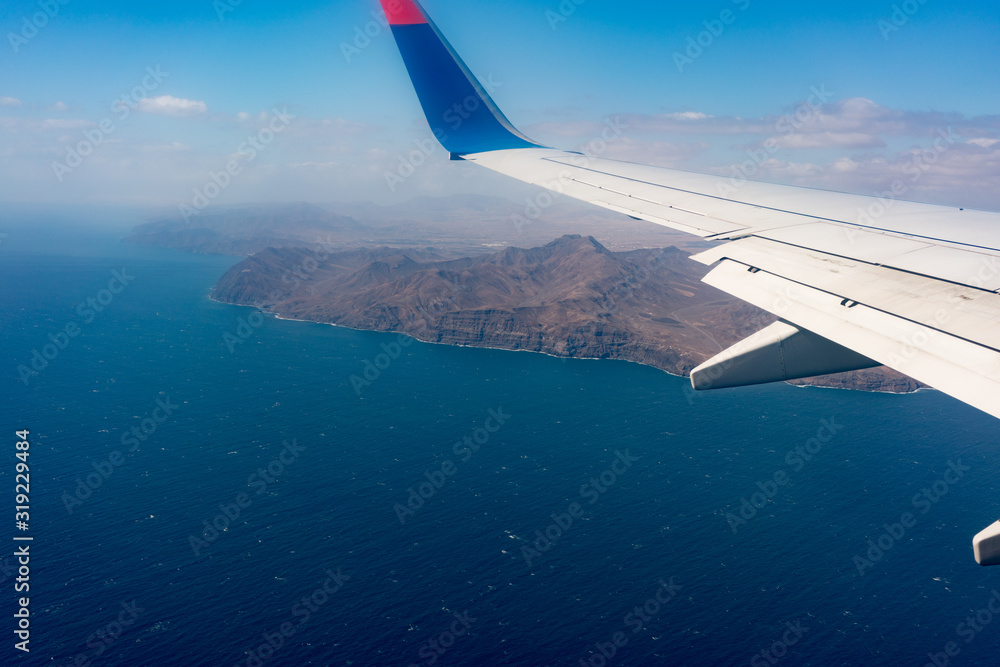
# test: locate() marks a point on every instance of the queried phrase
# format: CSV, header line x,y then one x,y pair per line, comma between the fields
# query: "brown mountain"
x,y
572,297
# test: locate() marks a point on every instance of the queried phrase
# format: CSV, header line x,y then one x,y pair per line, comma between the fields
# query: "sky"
x,y
146,105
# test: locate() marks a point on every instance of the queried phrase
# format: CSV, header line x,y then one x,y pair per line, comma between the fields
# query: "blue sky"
x,y
894,75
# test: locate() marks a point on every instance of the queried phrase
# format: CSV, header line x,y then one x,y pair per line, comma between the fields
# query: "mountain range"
x,y
572,297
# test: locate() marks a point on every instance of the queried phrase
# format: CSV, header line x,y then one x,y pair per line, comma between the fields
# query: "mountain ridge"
x,y
571,298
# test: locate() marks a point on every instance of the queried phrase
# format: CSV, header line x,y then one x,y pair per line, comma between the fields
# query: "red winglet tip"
x,y
403,12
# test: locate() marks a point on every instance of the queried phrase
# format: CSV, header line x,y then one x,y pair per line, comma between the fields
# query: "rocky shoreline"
x,y
570,298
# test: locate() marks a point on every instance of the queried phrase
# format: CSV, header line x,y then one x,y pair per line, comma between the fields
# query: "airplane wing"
x,y
856,281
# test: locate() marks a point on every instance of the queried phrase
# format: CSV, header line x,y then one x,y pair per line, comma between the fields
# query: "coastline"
x,y
547,354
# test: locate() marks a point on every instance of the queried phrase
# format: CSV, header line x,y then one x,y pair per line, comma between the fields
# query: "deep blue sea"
x,y
635,481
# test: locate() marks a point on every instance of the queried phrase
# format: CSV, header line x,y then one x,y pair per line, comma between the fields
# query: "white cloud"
x,y
854,122
963,174
59,106
830,140
168,105
688,115
34,126
64,124
314,165
172,147
852,145
844,164
10,102
657,153
576,128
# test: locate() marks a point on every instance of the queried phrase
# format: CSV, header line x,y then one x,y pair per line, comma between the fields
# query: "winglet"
x,y
462,115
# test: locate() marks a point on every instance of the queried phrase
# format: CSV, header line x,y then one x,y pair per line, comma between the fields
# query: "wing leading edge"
x,y
856,282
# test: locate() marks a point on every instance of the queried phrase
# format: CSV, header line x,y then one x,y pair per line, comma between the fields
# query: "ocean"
x,y
214,487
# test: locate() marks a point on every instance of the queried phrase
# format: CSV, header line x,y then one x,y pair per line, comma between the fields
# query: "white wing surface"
x,y
856,281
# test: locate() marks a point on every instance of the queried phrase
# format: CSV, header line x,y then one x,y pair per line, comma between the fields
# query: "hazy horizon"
x,y
109,103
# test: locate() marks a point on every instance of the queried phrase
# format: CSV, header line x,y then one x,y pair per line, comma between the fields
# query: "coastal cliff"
x,y
572,298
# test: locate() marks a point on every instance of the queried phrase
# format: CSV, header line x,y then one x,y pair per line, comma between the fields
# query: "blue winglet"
x,y
462,115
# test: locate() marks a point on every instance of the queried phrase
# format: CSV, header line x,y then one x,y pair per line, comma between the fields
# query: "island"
x,y
572,297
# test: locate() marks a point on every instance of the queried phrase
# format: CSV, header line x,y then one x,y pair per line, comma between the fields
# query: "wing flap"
x,y
974,267
966,370
962,311
844,241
